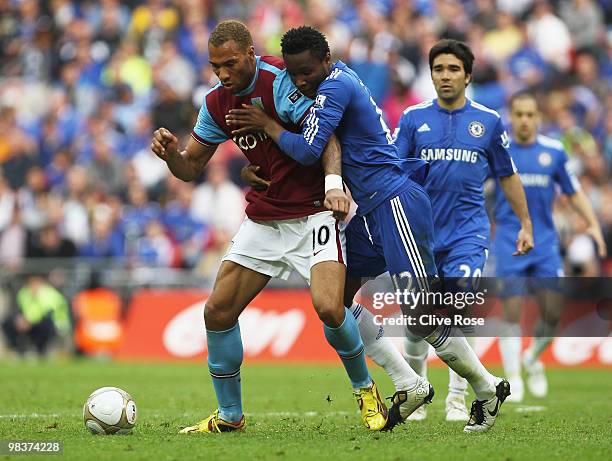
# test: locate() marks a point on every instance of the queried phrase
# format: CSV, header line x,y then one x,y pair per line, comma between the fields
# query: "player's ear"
x,y
468,79
251,51
327,59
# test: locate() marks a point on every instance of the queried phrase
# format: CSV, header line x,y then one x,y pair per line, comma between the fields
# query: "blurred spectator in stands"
x,y
400,95
76,222
13,238
154,248
584,19
174,70
48,243
170,111
106,240
42,314
153,22
106,169
8,199
550,36
128,66
17,149
187,231
136,214
503,40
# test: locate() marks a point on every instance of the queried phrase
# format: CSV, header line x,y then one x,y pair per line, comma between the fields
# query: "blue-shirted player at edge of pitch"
x,y
464,142
542,163
393,229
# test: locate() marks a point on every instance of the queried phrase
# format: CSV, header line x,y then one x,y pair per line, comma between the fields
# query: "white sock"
x,y
510,344
456,384
416,354
543,337
382,351
454,350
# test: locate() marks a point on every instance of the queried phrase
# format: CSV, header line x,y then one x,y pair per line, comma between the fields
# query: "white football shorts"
x,y
275,248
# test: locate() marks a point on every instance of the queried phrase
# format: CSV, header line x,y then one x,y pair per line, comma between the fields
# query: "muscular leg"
x,y
235,287
377,346
340,327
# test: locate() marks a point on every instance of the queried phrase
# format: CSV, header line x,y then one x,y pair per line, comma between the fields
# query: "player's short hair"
x,y
231,29
522,95
305,38
459,49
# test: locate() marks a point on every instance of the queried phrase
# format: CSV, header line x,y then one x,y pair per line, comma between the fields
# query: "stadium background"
x,y
87,206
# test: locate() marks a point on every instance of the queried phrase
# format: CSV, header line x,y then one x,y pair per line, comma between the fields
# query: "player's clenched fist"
x,y
164,143
338,202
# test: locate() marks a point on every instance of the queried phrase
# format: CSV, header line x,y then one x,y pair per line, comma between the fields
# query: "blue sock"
x,y
224,359
349,346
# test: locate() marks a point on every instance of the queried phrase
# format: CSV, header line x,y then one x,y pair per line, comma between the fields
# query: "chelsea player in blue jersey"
x,y
542,163
463,141
393,229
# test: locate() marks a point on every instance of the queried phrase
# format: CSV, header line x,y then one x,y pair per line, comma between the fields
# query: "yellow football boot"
x,y
215,424
373,409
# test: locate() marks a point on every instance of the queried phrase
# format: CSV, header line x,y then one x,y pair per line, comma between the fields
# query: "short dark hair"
x,y
525,94
460,49
305,38
231,29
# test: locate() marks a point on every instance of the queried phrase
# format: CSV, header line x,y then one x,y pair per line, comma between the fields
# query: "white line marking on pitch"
x,y
529,408
31,415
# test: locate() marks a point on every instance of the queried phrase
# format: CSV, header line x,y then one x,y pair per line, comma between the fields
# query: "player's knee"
x,y
218,317
330,313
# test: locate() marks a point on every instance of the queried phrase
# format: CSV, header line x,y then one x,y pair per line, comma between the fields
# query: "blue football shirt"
x,y
371,166
543,168
462,146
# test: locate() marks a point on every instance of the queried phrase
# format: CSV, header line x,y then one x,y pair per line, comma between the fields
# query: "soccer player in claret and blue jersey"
x,y
542,164
393,229
463,141
276,235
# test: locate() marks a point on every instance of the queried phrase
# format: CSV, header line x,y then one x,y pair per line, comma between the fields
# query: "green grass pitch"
x,y
293,412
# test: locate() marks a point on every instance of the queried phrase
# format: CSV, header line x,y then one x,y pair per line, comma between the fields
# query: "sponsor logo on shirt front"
x,y
534,180
458,155
476,129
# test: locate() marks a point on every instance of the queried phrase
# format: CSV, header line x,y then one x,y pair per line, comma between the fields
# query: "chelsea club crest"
x,y
544,159
476,129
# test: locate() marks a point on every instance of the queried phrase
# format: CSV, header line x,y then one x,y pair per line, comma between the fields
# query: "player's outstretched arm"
x,y
251,119
581,204
336,199
186,165
515,194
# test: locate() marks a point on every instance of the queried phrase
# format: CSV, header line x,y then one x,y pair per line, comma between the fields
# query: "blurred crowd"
x,y
83,84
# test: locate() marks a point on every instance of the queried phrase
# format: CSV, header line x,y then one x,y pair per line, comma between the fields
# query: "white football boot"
x,y
456,409
484,412
407,402
536,379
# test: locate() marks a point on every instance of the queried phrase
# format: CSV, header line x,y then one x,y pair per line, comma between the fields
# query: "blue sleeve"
x,y
500,161
403,137
291,105
207,129
332,100
564,177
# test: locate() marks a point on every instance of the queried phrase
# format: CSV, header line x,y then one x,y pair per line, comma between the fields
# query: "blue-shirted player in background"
x,y
393,229
463,141
542,163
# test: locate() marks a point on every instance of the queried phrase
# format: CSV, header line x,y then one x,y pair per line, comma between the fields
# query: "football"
x,y
109,410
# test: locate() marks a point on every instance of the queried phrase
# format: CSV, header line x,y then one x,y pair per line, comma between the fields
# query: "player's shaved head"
x,y
304,38
522,95
231,29
459,49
